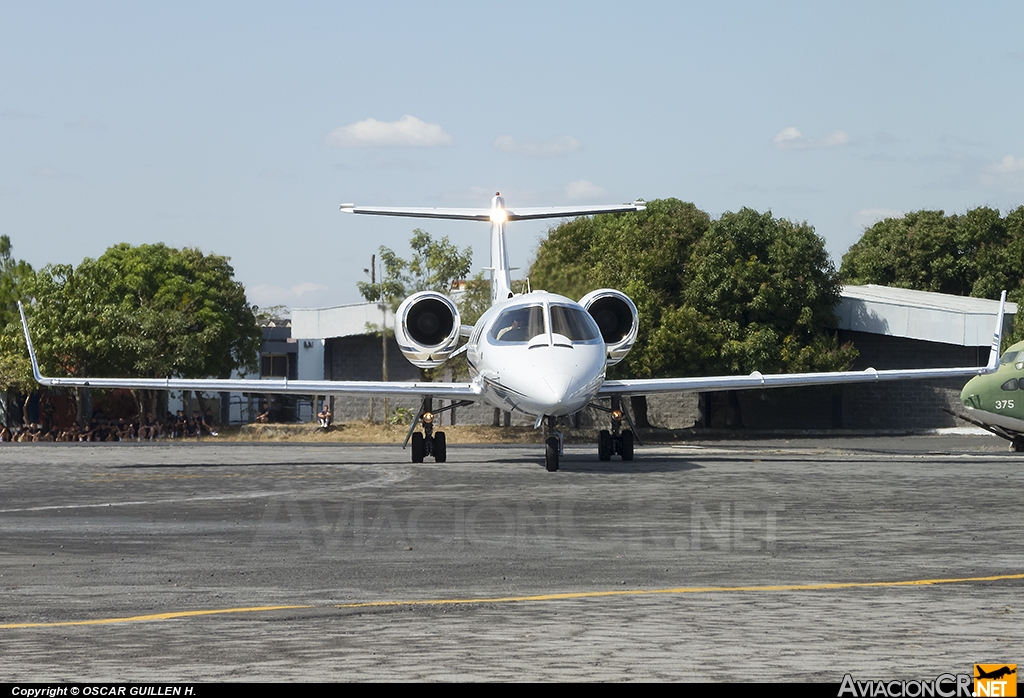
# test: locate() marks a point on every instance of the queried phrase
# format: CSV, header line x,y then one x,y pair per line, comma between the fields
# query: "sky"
x,y
239,128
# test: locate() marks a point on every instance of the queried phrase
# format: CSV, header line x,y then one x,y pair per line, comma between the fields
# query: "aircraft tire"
x,y
604,445
1017,445
440,447
418,447
551,454
627,445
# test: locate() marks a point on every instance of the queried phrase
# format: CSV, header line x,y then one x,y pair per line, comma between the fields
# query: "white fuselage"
x,y
537,353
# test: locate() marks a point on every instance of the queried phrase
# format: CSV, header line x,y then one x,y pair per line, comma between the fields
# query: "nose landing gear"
x,y
552,446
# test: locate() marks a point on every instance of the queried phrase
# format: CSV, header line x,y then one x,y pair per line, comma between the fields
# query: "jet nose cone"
x,y
553,388
969,395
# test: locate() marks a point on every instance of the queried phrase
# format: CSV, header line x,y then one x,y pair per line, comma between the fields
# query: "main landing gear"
x,y
429,443
616,441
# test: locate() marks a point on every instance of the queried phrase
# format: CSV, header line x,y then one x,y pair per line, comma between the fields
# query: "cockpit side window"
x,y
519,324
1009,385
574,323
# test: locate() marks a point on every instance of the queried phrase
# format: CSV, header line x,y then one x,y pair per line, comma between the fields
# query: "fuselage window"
x,y
1010,384
519,324
574,323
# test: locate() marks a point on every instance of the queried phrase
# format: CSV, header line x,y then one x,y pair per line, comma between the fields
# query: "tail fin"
x,y
997,337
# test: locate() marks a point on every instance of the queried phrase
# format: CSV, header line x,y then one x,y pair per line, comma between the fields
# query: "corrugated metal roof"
x,y
338,321
924,299
933,317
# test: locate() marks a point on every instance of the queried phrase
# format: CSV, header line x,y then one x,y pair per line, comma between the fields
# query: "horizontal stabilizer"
x,y
484,214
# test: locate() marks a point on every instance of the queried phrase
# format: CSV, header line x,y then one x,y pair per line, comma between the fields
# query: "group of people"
x,y
174,426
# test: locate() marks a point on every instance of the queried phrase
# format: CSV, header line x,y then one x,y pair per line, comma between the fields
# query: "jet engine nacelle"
x,y
427,328
617,318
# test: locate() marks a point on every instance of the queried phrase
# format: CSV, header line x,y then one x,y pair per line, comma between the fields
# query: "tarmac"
x,y
790,560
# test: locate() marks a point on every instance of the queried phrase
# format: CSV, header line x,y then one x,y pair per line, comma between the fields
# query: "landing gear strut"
x,y
552,446
429,443
616,441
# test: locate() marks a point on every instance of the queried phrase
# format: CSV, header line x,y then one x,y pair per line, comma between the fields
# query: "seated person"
x,y
325,416
264,416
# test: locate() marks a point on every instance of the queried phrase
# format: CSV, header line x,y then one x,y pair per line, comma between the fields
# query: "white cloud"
x,y
304,294
555,148
869,216
1008,165
1005,175
407,131
583,189
790,138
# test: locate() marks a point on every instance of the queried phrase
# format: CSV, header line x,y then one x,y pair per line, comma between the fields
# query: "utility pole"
x,y
373,281
384,346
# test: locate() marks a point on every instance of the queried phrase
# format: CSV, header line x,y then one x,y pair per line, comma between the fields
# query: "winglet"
x,y
997,337
31,351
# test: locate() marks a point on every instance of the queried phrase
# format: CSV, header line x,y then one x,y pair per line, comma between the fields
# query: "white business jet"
x,y
537,353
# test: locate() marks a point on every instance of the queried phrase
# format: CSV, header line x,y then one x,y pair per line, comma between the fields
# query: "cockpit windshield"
x,y
574,323
519,324
1011,356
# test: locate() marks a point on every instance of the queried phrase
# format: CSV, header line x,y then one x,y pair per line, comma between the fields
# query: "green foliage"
x,y
148,311
979,253
433,266
475,299
400,416
277,314
770,289
746,292
15,369
13,275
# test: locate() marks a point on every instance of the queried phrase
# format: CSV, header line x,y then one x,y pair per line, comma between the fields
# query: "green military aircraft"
x,y
996,401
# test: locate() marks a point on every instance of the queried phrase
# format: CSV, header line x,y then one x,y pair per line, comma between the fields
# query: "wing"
x,y
446,391
758,380
484,214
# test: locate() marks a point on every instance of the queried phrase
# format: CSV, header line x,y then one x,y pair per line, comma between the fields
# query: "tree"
x,y
746,292
433,266
979,253
148,311
644,254
13,275
769,289
15,369
276,314
475,299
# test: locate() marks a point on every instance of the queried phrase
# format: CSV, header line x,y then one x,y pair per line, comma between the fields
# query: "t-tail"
x,y
498,216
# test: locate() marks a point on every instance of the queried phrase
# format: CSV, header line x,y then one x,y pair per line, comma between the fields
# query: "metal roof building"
x,y
930,317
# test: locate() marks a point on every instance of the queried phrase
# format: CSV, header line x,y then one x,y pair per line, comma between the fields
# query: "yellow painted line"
x,y
682,590
154,616
537,597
